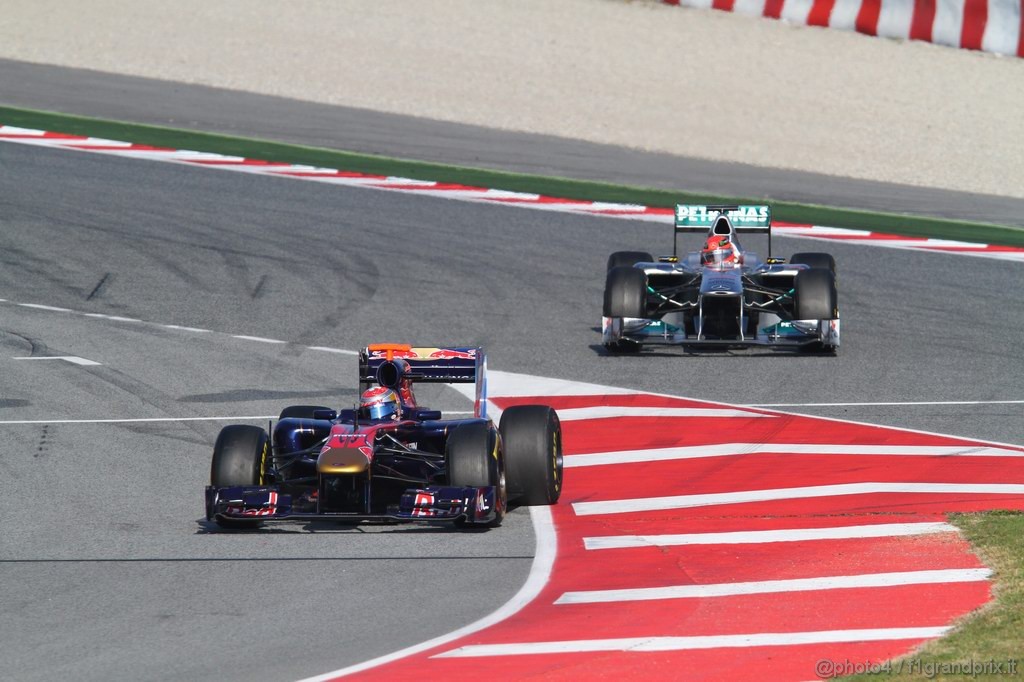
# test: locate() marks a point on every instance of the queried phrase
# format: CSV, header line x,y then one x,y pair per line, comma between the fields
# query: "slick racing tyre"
x,y
625,292
623,347
816,295
814,260
620,258
300,411
475,460
240,457
531,436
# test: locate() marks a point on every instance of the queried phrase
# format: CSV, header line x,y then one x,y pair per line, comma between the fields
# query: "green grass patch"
x,y
993,634
568,188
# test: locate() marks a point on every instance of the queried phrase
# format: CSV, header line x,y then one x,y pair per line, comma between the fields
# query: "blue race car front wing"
x,y
431,503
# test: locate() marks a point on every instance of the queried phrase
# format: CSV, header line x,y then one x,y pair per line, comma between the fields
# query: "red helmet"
x,y
380,403
719,251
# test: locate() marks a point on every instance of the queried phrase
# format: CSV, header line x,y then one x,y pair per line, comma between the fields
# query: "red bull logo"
x,y
453,354
428,354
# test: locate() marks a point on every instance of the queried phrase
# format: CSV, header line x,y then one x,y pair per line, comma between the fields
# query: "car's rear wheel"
x,y
300,411
241,456
474,459
531,437
620,258
815,294
623,347
814,259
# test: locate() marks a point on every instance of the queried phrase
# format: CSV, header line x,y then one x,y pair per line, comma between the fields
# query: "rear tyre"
x,y
816,297
240,457
474,459
623,347
620,258
531,437
625,292
300,411
815,260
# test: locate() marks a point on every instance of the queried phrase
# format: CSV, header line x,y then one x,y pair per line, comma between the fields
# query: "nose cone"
x,y
342,461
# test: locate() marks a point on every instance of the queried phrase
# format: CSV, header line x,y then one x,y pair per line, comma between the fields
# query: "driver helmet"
x,y
719,251
380,403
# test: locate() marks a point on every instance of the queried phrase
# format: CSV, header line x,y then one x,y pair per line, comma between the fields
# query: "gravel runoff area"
x,y
696,83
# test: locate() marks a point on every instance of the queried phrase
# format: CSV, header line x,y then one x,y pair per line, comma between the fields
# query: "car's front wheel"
x,y
241,456
474,459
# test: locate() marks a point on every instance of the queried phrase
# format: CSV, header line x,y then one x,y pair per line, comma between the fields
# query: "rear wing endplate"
x,y
431,364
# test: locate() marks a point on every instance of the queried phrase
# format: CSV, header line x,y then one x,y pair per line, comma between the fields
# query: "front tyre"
x,y
474,460
625,292
241,456
816,297
531,436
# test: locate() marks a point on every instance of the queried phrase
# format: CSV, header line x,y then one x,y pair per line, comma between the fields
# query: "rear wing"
x,y
701,218
428,364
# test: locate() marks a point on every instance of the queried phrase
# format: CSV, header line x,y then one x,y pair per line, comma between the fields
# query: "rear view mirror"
x,y
328,415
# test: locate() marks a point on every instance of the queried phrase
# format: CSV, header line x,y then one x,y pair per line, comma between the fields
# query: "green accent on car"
x,y
568,188
782,328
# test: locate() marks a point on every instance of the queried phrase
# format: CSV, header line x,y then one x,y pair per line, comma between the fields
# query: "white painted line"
x,y
260,339
736,449
185,329
540,571
115,318
610,411
749,537
340,351
135,420
51,308
645,644
930,402
73,359
775,494
835,582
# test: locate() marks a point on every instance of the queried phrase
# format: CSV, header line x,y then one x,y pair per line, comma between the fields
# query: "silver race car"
x,y
722,295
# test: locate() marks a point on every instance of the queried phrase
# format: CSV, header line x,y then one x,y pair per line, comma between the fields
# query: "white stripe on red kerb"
x,y
989,25
477,194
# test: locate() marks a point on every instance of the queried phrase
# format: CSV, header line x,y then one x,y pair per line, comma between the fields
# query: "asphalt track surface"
x,y
143,100
108,571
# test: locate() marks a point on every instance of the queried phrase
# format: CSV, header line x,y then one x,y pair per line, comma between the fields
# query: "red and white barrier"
x,y
989,25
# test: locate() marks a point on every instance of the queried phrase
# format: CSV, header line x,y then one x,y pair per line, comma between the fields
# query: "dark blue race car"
x,y
390,458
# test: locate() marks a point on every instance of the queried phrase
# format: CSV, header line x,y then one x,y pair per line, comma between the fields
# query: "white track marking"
x,y
114,318
735,449
610,411
748,537
185,329
540,571
51,308
775,494
259,339
834,582
326,349
73,359
137,419
929,402
642,644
